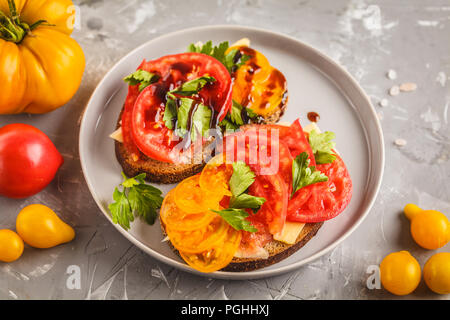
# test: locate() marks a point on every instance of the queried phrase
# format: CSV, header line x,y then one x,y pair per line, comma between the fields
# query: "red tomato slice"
x,y
263,152
133,93
294,137
271,161
273,212
149,132
252,241
324,200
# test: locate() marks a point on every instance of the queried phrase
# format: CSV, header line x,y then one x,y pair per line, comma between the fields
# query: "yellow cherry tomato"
x,y
11,246
430,229
40,227
436,273
400,273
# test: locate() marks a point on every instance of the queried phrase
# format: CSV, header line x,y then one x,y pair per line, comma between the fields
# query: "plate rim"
x,y
261,273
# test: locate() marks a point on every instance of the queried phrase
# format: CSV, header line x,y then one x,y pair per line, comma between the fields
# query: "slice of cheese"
x,y
310,127
244,42
117,135
290,232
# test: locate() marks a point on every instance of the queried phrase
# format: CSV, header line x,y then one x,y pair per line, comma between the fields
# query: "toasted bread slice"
x,y
277,250
156,171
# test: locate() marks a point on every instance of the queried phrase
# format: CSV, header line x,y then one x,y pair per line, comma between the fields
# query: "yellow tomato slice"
x,y
199,240
216,258
176,219
192,199
259,86
215,176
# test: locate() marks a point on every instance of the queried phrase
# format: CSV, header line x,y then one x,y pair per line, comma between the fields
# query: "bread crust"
x,y
156,171
278,251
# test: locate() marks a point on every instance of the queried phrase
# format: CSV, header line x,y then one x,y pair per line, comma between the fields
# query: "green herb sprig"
x,y
141,77
303,174
136,199
177,109
322,146
241,179
231,60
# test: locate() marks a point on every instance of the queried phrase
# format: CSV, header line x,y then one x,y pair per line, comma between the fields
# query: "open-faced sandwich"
x,y
252,192
259,201
181,102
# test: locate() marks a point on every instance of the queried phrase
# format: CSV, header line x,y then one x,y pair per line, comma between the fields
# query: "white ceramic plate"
x,y
315,83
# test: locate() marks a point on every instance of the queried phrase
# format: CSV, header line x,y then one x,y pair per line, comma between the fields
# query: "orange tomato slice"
x,y
193,199
216,258
257,85
176,219
215,176
199,240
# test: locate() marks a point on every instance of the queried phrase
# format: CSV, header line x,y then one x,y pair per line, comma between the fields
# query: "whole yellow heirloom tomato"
x,y
400,273
41,66
429,228
11,246
40,227
436,273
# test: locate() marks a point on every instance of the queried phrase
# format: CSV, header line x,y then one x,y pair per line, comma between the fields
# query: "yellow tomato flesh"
x,y
192,199
206,244
195,241
215,176
218,256
257,85
180,220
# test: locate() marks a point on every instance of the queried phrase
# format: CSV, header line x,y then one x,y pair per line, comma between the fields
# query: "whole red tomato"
x,y
28,160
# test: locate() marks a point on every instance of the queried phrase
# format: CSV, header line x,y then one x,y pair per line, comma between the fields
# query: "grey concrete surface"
x,y
368,38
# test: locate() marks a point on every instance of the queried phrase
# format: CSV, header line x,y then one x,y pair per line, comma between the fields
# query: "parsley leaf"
x,y
246,201
242,178
323,157
304,175
179,113
121,212
322,146
234,119
236,114
183,116
191,87
201,121
142,77
145,200
170,114
236,218
251,114
136,199
228,125
231,60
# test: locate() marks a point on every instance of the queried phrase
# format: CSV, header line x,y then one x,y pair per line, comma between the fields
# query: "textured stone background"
x,y
366,37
